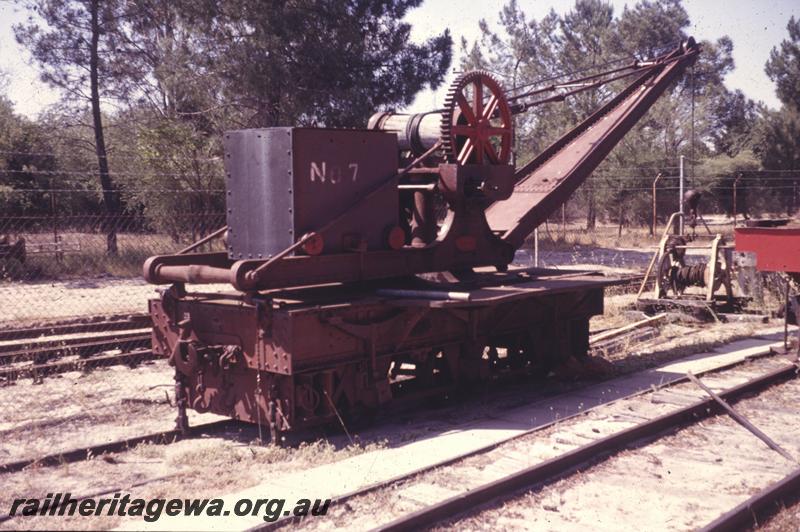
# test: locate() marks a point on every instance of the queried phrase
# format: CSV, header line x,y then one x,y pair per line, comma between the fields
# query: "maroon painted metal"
x,y
325,236
276,357
497,231
777,249
548,181
474,130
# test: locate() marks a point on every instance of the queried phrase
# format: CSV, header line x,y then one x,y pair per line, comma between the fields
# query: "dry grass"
x,y
85,255
209,468
556,238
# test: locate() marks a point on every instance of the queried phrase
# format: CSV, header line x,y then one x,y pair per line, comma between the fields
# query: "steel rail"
x,y
39,370
74,346
56,340
744,516
567,463
85,453
284,521
113,323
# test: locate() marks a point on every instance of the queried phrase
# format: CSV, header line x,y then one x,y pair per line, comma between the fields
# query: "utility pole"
x,y
680,198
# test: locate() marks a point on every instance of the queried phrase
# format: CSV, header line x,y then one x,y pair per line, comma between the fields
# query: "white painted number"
x,y
323,173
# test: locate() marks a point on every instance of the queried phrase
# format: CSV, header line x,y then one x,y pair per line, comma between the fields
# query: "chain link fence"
x,y
605,246
58,265
73,319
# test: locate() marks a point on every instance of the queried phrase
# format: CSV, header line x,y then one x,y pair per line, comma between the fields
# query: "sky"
x,y
755,27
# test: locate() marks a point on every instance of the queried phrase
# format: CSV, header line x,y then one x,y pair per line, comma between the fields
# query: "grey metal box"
x,y
284,182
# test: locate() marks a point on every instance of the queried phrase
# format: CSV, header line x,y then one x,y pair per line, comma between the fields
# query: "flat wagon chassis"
x,y
292,359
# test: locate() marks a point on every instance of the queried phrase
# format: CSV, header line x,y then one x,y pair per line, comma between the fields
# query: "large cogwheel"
x,y
476,121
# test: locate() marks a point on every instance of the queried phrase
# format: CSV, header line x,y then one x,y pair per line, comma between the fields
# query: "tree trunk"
x,y
591,212
110,199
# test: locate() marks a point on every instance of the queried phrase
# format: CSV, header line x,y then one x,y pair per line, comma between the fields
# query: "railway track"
x,y
349,502
81,344
86,453
354,498
168,436
38,371
46,348
437,494
57,347
77,325
559,467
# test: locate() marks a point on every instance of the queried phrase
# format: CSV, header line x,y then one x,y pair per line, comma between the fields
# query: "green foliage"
x,y
783,66
591,38
26,164
779,145
323,62
173,75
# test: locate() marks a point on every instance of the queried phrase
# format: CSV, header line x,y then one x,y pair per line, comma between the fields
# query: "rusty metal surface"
x,y
272,358
777,249
285,182
469,125
325,235
752,512
300,184
548,180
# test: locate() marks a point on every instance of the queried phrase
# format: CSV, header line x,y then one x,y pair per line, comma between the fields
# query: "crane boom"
x,y
339,210
549,179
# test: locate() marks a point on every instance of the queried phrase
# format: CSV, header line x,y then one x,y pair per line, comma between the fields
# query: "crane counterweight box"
x,y
285,182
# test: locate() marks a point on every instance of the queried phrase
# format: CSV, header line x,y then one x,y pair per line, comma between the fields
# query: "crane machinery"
x,y
372,265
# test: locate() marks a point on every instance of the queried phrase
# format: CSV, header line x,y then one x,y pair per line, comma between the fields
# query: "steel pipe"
x,y
193,273
416,133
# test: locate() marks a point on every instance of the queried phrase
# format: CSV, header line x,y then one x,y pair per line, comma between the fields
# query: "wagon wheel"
x,y
476,122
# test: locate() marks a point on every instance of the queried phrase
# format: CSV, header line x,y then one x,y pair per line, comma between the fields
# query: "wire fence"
x,y
73,307
73,316
62,257
57,266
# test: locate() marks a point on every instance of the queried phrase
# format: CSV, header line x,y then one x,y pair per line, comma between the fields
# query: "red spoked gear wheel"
x,y
476,121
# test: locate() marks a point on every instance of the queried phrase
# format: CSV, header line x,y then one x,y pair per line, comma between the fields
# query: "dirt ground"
x,y
22,303
25,303
786,520
76,409
82,409
682,480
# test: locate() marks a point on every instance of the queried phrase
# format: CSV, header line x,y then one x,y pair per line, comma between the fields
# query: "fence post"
x,y
680,197
735,184
655,220
54,218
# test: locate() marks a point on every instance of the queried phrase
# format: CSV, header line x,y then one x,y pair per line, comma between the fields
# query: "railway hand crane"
x,y
359,257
